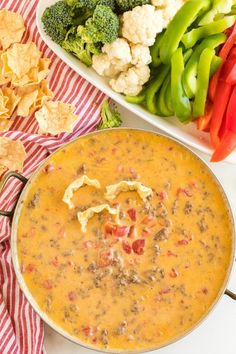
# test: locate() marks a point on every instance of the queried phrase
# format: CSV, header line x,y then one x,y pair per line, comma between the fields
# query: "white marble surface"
x,y
217,334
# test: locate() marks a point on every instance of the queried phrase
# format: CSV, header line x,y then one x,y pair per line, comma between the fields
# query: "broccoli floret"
x,y
103,26
126,5
57,19
110,116
82,47
90,4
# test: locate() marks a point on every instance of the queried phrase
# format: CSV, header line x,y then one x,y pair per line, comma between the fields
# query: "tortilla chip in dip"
x,y
84,216
11,28
12,154
55,118
77,184
124,186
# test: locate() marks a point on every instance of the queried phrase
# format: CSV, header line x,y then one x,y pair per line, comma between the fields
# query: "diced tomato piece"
x,y
49,168
29,268
165,290
138,246
48,284
184,191
205,291
88,244
163,195
171,254
131,231
132,214
174,273
105,259
88,331
183,242
55,261
120,231
108,228
147,218
126,247
72,295
146,232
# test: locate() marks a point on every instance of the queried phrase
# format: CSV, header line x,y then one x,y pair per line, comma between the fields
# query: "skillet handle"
x,y
24,180
230,294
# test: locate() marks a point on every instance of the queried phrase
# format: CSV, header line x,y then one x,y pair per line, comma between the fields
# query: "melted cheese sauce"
x,y
139,284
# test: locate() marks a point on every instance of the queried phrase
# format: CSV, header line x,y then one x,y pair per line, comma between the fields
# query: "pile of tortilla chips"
x,y
24,87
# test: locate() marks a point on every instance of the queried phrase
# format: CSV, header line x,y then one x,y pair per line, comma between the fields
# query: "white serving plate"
x,y
187,134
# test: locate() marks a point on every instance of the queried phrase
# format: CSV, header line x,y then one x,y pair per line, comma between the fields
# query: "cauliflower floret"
x,y
141,25
169,8
118,50
116,57
140,55
131,82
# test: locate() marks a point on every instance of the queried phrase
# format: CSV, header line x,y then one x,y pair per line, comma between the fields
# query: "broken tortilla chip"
x,y
26,103
77,184
22,57
5,124
12,154
124,186
84,216
55,118
11,28
13,99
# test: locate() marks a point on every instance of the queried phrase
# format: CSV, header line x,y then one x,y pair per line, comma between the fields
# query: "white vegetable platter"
x,y
188,134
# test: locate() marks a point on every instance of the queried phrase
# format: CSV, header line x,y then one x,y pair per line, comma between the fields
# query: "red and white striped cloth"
x,y
21,330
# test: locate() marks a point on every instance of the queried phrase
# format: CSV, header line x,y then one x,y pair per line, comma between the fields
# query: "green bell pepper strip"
x,y
179,25
218,7
161,100
203,78
215,65
190,72
187,55
168,97
155,50
192,37
154,88
136,99
180,101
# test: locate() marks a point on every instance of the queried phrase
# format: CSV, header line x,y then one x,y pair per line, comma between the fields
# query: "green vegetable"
x,y
187,55
154,88
203,77
215,64
190,72
136,99
90,4
192,37
57,19
103,26
110,117
155,50
162,106
168,97
218,7
126,5
79,45
178,26
180,101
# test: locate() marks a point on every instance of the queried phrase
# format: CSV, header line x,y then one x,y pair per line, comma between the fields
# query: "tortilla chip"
x,y
12,154
55,118
124,186
5,125
4,112
13,99
22,57
26,103
77,184
44,95
84,216
34,76
11,28
4,78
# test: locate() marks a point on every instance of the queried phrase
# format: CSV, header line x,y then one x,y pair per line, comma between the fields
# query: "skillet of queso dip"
x,y
136,279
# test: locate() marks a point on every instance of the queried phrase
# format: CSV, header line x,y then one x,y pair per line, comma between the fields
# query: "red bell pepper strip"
x,y
228,142
223,54
203,122
221,100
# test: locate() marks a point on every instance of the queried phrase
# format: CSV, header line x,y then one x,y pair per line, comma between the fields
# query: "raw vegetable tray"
x,y
188,134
